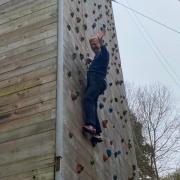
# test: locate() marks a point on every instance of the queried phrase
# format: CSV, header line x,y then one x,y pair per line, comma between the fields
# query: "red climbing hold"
x,y
79,168
104,123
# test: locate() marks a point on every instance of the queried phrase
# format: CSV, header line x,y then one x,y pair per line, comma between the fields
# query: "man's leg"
x,y
90,97
98,126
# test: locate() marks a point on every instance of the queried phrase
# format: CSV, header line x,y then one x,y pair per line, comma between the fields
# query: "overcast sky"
x,y
139,62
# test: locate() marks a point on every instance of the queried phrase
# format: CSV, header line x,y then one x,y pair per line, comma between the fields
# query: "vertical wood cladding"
x,y
28,57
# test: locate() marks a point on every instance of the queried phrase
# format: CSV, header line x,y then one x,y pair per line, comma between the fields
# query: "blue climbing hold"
x,y
109,152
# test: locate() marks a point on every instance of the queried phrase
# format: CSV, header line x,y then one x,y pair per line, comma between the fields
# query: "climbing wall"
x,y
28,57
114,158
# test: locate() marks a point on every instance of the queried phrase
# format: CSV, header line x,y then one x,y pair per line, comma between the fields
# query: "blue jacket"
x,y
100,63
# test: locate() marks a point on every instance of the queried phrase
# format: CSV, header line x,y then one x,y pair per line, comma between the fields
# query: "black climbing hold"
x,y
110,110
116,99
81,56
92,162
115,154
113,126
77,29
94,25
125,120
84,26
99,6
76,48
104,99
94,12
110,84
134,167
121,117
122,140
72,14
86,15
69,27
101,105
117,71
78,19
77,9
70,135
82,39
94,4
69,74
74,55
124,112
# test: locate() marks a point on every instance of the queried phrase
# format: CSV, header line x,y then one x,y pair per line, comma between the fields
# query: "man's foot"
x,y
90,129
98,138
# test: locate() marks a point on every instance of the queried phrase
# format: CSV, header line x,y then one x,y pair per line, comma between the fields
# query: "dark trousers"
x,y
95,87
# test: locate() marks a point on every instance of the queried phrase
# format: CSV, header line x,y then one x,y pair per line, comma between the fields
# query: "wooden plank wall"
x,y
28,55
83,18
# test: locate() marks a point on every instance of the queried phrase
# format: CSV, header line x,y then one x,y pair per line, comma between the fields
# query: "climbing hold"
x,y
81,56
126,153
94,11
105,157
94,25
82,39
99,6
115,154
121,117
92,162
124,112
101,105
134,167
76,48
74,55
84,26
111,142
125,120
69,27
114,177
109,152
116,99
104,99
117,71
122,140
86,15
121,101
110,84
78,19
74,95
79,168
77,29
70,135
77,9
110,110
134,174
113,126
104,123
72,14
69,74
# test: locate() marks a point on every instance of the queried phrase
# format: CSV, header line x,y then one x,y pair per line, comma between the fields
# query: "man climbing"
x,y
96,85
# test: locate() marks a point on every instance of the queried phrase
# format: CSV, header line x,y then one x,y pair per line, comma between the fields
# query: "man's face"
x,y
95,45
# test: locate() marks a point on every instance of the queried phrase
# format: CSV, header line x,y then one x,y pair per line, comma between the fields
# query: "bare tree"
x,y
154,107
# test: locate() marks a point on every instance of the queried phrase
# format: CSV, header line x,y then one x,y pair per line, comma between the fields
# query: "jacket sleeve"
x,y
104,52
